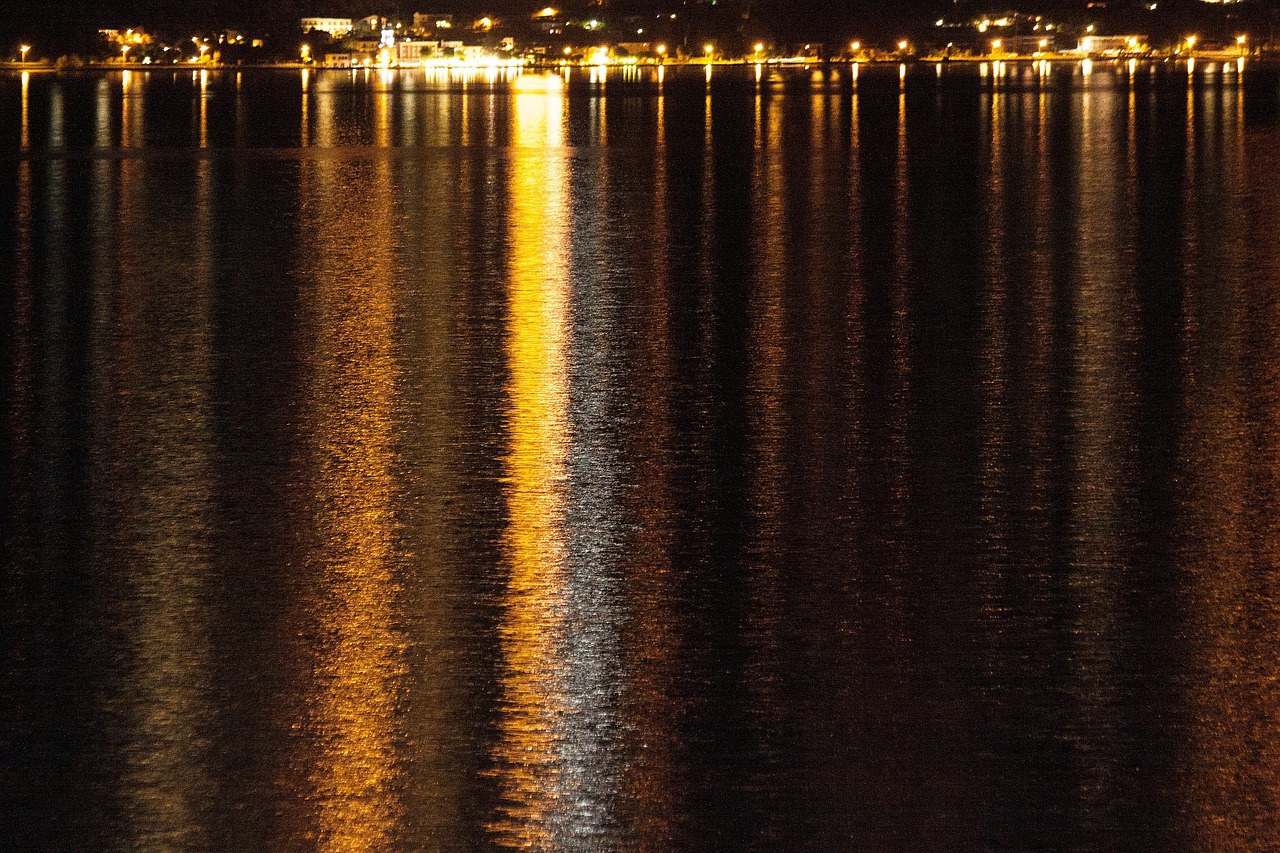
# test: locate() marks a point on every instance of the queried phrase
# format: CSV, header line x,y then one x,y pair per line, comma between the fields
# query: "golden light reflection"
x,y
1102,382
154,428
132,110
204,108
26,97
19,408
772,190
352,730
1231,537
997,427
382,111
533,699
304,131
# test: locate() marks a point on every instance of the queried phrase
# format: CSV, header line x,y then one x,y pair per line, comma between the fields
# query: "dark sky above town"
x,y
24,18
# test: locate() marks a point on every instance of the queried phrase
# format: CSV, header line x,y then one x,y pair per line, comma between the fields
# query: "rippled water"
x,y
432,462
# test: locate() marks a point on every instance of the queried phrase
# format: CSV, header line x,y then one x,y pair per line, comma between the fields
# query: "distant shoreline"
x,y
1210,56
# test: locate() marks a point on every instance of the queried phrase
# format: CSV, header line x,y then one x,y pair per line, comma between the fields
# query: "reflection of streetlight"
x,y
24,49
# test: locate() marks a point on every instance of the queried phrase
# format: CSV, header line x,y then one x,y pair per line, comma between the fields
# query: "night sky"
x,y
62,19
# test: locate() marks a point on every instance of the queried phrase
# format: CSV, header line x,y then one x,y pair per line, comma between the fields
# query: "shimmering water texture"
x,y
630,461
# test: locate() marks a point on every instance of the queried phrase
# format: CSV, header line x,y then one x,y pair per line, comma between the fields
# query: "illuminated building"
x,y
336,27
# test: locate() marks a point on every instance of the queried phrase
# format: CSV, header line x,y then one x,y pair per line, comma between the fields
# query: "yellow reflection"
x,y
155,427
22,345
352,728
1102,391
533,700
131,111
325,125
382,108
766,422
26,126
530,83
662,114
204,108
1232,522
304,131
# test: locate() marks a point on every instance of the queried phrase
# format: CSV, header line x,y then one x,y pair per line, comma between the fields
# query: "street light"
x,y
855,46
708,49
903,45
306,53
124,54
1240,40
24,49
1191,42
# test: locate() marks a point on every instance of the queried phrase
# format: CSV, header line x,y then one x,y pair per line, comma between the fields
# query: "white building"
x,y
336,27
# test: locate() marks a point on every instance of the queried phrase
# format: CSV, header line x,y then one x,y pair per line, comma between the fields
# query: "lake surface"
x,y
418,461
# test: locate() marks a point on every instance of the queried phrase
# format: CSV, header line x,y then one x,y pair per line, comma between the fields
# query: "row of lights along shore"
x,y
601,56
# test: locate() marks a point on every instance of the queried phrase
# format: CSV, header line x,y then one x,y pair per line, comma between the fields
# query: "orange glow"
x,y
350,724
532,626
531,83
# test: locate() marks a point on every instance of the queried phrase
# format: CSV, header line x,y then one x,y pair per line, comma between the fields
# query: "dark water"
x,y
442,463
